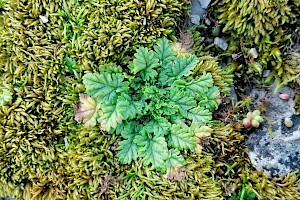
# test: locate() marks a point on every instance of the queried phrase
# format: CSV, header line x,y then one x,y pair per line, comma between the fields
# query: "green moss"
x,y
102,31
223,78
254,18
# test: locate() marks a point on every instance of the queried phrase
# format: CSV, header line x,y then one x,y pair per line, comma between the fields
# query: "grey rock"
x,y
195,19
235,56
221,43
9,198
274,148
44,19
204,3
196,9
207,22
266,73
253,53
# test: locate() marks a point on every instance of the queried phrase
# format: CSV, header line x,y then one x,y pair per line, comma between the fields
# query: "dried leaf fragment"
x,y
176,173
184,44
86,110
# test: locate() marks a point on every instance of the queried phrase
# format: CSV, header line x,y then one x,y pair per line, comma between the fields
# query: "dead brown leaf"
x,y
107,181
177,173
85,110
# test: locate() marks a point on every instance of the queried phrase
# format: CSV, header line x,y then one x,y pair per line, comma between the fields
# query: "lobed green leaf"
x,y
183,100
181,138
209,99
154,150
145,63
163,52
199,115
181,67
105,87
128,148
174,159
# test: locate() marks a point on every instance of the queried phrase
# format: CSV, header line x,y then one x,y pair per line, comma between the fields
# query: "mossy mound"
x,y
34,127
256,19
45,154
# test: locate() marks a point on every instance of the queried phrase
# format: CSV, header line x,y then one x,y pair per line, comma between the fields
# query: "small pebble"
x,y
253,53
207,22
234,56
195,19
44,19
66,142
221,43
204,3
284,96
288,122
266,73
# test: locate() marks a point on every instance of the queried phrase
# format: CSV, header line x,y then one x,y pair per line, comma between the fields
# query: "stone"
x,y
221,43
204,3
195,19
9,198
196,12
207,22
274,148
266,73
216,31
253,53
44,19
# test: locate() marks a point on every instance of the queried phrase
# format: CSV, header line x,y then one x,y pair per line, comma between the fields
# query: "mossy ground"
x,y
36,161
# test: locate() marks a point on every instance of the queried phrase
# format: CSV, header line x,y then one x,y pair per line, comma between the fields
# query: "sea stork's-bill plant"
x,y
157,106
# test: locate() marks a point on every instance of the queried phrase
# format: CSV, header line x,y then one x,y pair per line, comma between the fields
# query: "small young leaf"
x,y
70,63
128,148
209,99
105,87
181,138
145,63
164,53
201,131
199,114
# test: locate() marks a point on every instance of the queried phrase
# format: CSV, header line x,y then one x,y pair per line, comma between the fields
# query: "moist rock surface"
x,y
274,148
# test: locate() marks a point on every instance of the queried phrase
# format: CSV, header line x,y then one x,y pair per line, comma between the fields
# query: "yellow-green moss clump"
x,y
255,18
101,31
34,126
223,78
